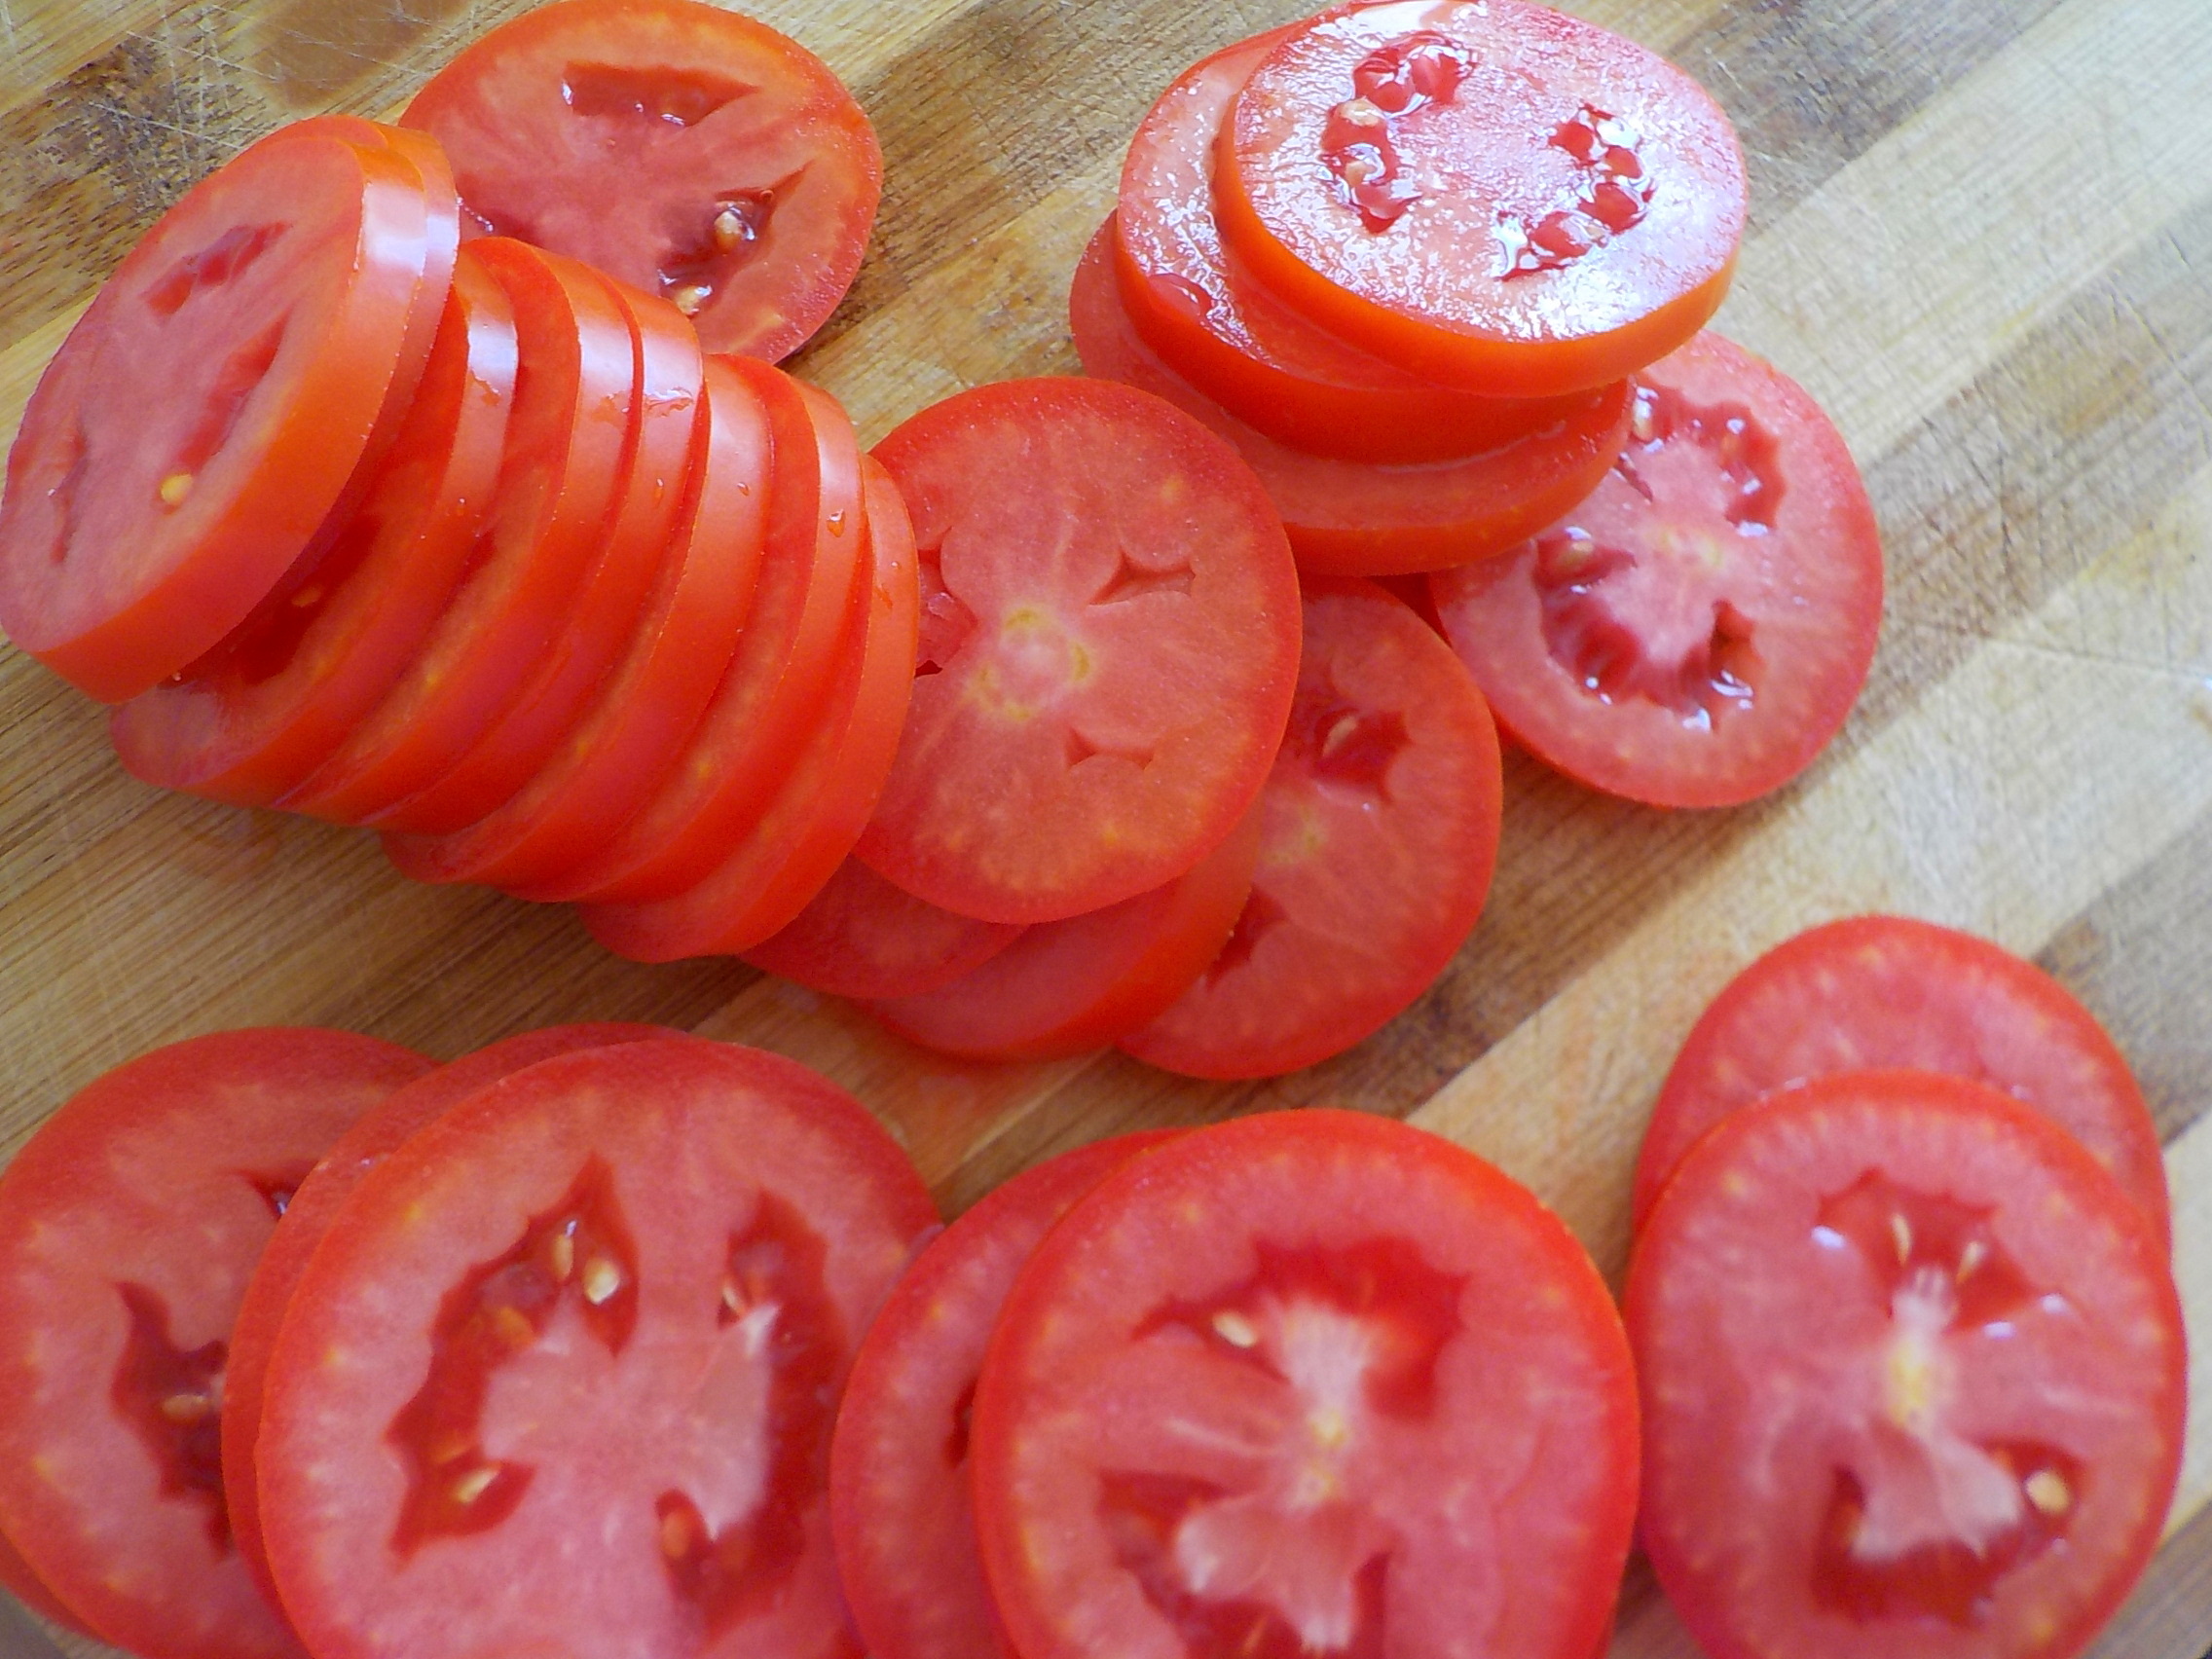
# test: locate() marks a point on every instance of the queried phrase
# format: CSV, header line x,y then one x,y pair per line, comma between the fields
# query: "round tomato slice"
x,y
314,1206
1877,992
1491,193
634,732
1379,836
695,154
561,1377
899,1494
1068,987
1696,632
1913,1378
129,1226
276,698
1108,652
1306,1382
771,699
1242,347
1353,518
212,407
860,937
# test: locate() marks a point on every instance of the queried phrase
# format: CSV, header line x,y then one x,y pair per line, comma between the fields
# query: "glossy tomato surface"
x,y
1913,1378
1696,632
1306,1382
860,937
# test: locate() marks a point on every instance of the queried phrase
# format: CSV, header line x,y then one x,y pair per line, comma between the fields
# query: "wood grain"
x,y
1980,233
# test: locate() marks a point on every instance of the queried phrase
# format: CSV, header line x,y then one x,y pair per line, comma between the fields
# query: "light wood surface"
x,y
1981,234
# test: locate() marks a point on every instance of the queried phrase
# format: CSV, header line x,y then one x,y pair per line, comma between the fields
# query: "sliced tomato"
x,y
611,1299
1875,992
1696,632
129,1226
315,1203
1306,1382
1353,518
634,732
1913,1378
860,937
212,407
1068,987
1379,836
899,1497
1235,340
770,700
694,153
28,1588
1110,642
809,828
1491,193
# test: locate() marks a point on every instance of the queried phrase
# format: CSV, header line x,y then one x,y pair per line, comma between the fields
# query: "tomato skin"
x,y
32,1590
1878,992
1774,1383
860,937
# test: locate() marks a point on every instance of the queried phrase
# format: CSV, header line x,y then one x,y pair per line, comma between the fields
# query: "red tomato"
x,y
1306,1383
1108,650
1696,632
561,1377
861,937
1876,992
899,1497
625,745
1913,1378
771,697
28,1588
314,1206
1379,835
1491,193
1068,987
694,153
1242,347
1349,518
129,1226
212,407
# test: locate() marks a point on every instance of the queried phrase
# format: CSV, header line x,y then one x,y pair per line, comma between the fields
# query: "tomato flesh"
x,y
32,1590
860,937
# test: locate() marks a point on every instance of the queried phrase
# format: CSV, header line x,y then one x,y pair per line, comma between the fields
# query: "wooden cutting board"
x,y
1981,234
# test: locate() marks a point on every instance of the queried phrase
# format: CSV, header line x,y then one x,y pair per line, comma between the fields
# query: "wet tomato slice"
x,y
1307,1382
1491,193
899,1506
129,1225
618,1291
1696,632
694,153
1109,643
1913,1378
1379,835
1878,992
1354,518
212,407
860,937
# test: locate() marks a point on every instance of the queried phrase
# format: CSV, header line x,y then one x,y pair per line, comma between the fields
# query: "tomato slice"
x,y
824,803
1486,192
308,1216
1379,835
212,407
612,1298
695,154
625,745
860,937
1913,1378
1353,518
771,699
899,1497
1238,344
1875,992
1068,987
1110,644
28,1588
129,1226
1306,1382
1696,632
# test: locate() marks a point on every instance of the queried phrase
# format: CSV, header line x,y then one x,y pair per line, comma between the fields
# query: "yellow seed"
x,y
473,1485
176,489
563,1252
729,230
1234,1329
2048,1491
690,298
733,1298
676,1535
513,1327
601,1279
1900,1233
187,1407
449,1449
1972,1257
